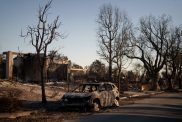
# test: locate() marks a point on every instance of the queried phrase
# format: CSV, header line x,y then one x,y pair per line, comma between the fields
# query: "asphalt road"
x,y
165,107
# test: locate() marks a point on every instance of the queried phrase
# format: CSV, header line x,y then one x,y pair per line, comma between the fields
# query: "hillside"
x,y
22,102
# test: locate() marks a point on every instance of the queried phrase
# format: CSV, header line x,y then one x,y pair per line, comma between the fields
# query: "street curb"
x,y
146,94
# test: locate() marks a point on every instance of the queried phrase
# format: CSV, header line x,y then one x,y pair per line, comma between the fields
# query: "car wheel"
x,y
84,109
96,106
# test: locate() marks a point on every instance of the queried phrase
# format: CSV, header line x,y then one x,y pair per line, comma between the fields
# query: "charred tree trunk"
x,y
153,76
179,83
179,77
169,83
44,101
154,84
171,76
119,81
42,77
110,70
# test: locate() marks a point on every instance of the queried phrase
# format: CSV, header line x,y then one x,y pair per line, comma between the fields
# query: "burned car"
x,y
92,96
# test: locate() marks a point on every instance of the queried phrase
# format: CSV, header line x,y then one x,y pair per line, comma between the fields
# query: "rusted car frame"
x,y
91,96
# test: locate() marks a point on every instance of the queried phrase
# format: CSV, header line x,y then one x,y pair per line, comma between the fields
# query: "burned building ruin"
x,y
25,67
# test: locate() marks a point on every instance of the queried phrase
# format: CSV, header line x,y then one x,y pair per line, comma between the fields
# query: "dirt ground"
x,y
22,102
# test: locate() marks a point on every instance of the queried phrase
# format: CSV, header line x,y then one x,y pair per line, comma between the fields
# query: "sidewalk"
x,y
135,94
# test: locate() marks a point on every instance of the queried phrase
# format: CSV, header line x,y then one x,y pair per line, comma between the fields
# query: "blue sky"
x,y
78,18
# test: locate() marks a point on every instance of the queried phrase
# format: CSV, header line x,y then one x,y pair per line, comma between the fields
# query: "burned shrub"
x,y
9,104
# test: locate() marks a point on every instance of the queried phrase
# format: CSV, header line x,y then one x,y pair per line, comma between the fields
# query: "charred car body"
x,y
92,96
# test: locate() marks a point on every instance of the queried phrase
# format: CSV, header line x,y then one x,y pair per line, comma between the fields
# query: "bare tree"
x,y
179,69
151,46
172,61
109,27
120,45
41,36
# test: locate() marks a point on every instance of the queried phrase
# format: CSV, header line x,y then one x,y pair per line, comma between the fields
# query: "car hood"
x,y
76,95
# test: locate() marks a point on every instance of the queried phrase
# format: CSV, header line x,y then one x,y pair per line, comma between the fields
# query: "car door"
x,y
103,95
110,93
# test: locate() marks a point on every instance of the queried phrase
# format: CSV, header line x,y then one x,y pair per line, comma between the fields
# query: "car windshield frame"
x,y
88,87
